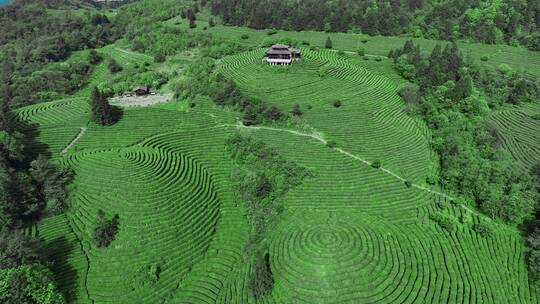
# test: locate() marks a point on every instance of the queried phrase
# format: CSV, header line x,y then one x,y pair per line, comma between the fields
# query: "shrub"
x,y
341,52
138,46
534,266
366,58
271,32
260,282
465,217
484,58
211,22
376,164
536,117
378,59
273,114
364,40
408,183
305,42
106,230
432,179
410,94
328,43
244,36
337,103
159,57
483,228
113,66
192,23
331,144
361,52
444,221
296,111
504,68
146,275
309,107
94,57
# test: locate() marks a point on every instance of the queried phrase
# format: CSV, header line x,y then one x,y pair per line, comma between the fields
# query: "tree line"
x,y
510,22
263,178
30,188
454,98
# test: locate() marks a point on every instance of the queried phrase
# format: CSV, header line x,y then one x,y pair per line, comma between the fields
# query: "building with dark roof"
x,y
141,90
279,54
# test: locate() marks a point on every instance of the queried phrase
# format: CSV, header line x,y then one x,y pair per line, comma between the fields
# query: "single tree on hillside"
x,y
328,43
114,67
464,86
106,229
211,22
102,112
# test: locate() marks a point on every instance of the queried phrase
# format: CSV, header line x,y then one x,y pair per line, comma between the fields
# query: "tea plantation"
x,y
350,233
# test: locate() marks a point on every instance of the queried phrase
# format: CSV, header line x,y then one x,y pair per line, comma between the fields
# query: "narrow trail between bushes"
x,y
319,138
74,141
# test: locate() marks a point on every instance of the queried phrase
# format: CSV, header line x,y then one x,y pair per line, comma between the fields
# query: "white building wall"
x,y
278,61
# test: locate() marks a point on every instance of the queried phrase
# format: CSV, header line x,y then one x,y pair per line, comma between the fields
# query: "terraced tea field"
x,y
519,133
517,58
349,233
371,122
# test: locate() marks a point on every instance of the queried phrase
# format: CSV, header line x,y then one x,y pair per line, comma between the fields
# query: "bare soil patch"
x,y
140,101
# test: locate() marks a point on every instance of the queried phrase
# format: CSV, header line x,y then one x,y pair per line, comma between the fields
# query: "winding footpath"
x,y
348,154
74,141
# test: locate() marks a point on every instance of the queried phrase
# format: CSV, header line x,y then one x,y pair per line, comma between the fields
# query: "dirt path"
x,y
134,53
319,138
72,143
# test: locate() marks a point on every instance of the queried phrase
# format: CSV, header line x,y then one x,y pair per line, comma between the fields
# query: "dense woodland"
x,y
454,98
30,188
494,21
35,36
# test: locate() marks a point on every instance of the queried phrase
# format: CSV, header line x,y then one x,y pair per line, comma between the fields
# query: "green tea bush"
x,y
376,164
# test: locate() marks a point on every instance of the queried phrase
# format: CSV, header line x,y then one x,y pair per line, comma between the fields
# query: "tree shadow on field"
x,y
58,251
32,147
